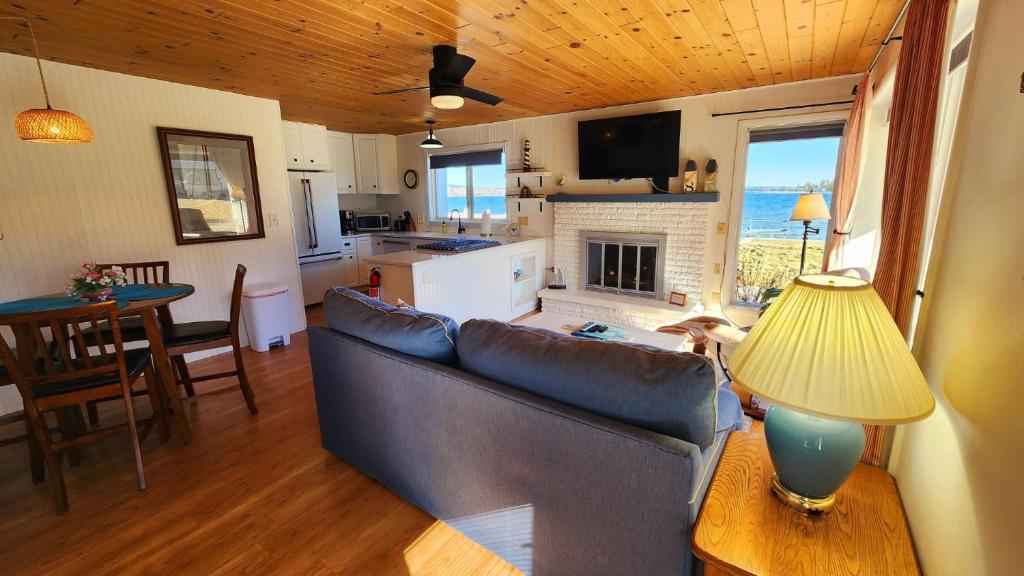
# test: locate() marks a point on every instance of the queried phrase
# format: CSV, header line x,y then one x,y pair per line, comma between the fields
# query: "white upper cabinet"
x,y
306,146
376,163
366,163
342,160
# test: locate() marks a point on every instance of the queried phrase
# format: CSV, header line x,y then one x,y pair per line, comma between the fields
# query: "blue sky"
x,y
791,162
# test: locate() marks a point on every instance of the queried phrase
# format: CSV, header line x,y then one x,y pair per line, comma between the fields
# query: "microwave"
x,y
371,221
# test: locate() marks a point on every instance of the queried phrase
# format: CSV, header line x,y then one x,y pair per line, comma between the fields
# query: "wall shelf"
x,y
679,197
520,174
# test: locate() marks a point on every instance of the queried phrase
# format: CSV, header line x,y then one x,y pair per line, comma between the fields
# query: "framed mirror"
x,y
211,185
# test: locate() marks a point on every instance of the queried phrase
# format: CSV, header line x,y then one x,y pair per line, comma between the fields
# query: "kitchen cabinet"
x,y
350,269
342,160
376,163
305,146
364,249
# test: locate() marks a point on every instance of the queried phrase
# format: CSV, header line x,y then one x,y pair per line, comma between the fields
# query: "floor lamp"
x,y
810,206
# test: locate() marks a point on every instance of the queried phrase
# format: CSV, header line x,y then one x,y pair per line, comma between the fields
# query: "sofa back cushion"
x,y
672,393
407,330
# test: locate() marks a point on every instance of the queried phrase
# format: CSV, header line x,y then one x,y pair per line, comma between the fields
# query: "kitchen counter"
x,y
419,257
427,234
498,282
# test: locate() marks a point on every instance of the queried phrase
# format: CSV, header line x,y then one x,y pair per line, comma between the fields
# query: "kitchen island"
x,y
498,282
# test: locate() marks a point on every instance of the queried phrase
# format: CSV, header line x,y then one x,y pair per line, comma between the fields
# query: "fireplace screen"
x,y
630,264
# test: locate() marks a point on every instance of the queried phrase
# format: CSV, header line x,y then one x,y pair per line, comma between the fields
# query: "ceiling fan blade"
x,y
458,68
401,91
479,96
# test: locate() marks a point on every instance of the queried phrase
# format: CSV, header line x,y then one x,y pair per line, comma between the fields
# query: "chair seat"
x,y
187,333
132,330
135,362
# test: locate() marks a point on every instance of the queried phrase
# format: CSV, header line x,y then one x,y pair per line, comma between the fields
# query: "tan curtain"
x,y
846,188
907,167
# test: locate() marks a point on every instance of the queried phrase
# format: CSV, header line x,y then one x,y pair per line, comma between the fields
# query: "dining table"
x,y
150,302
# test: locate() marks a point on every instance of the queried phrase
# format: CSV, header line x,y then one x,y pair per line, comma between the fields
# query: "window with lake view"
x,y
781,165
469,183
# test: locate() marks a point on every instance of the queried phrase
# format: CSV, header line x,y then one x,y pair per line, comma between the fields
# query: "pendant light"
x,y
431,142
47,124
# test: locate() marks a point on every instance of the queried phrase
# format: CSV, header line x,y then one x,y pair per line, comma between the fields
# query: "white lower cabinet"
x,y
364,249
350,269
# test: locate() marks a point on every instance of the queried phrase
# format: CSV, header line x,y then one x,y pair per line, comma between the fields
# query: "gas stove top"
x,y
458,245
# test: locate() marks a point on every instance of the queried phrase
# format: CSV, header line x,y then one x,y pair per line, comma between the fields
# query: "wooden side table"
x,y
744,530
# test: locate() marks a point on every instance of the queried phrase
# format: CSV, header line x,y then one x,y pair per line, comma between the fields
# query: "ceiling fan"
x,y
447,88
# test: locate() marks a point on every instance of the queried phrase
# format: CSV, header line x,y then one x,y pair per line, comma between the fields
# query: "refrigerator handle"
x,y
309,224
312,210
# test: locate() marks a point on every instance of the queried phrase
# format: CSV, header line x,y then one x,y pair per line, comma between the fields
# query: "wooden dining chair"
x,y
132,330
51,378
184,337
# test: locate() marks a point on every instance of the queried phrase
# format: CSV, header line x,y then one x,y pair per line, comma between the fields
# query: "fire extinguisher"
x,y
375,283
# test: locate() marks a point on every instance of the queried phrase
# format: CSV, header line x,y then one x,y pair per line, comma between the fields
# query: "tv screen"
x,y
644,146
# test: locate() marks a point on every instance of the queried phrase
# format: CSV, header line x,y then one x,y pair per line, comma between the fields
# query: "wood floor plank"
x,y
252,495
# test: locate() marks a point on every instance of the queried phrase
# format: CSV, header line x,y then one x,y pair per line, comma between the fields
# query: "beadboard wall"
x,y
61,205
554,147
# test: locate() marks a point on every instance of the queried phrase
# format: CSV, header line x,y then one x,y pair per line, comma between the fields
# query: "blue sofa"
x,y
562,455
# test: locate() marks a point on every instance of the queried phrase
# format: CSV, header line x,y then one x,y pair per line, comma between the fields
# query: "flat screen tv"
x,y
644,146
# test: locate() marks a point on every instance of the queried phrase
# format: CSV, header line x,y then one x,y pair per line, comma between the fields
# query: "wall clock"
x,y
411,179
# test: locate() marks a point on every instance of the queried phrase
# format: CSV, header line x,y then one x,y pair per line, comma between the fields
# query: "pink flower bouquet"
x,y
93,283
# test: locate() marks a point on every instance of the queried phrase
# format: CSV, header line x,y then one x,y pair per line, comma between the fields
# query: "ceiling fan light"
x,y
52,126
447,101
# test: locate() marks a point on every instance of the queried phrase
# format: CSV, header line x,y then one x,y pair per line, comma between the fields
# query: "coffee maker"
x,y
348,222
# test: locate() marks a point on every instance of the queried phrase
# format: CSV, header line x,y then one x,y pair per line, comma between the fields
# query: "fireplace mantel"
x,y
675,197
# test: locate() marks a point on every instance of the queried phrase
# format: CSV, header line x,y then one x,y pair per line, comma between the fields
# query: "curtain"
x,y
907,167
846,188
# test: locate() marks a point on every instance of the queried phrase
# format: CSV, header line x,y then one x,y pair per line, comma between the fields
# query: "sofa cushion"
x,y
672,393
407,330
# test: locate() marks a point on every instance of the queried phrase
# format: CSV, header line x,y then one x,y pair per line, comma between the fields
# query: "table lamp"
x,y
829,357
809,206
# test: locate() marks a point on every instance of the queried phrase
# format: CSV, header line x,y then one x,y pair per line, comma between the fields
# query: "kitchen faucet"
x,y
462,229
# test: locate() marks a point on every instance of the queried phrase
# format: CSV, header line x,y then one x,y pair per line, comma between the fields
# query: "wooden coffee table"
x,y
566,324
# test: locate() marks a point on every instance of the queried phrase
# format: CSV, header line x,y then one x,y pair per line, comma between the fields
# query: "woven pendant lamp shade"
x,y
829,347
53,126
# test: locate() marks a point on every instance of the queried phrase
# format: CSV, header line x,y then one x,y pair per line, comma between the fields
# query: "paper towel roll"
x,y
485,223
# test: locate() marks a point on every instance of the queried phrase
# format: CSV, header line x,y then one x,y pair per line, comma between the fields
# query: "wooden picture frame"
x,y
677,298
212,186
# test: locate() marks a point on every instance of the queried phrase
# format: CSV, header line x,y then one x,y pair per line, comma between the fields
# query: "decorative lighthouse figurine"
x,y
526,155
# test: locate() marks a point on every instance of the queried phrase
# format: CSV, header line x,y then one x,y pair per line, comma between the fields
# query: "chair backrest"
x,y
236,299
40,358
158,272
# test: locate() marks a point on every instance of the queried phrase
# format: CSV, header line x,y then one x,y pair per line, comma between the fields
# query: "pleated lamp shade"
x,y
828,346
52,126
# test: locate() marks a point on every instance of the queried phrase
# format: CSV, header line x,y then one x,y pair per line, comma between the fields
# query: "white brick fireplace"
x,y
684,225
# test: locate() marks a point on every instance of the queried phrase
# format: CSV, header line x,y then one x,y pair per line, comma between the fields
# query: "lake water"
x,y
495,203
766,215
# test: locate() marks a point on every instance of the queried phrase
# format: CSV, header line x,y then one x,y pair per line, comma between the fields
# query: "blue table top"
x,y
123,295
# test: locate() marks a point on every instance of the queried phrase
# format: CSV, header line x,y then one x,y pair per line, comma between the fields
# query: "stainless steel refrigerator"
x,y
317,228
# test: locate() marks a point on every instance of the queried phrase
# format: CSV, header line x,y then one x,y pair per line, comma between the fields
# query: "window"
x,y
469,183
781,164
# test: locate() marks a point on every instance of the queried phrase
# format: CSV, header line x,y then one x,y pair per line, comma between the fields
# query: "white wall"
x,y
554,147
960,471
61,205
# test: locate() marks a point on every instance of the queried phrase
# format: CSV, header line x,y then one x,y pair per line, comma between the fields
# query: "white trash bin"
x,y
265,307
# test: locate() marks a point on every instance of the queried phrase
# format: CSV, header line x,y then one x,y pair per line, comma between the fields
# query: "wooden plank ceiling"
x,y
323,58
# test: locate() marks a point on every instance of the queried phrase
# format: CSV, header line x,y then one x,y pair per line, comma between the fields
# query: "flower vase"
x,y
98,295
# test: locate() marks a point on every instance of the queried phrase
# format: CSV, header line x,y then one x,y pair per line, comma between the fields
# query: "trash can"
x,y
265,307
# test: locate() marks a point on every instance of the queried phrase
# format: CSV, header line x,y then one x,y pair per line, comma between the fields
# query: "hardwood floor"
x,y
251,495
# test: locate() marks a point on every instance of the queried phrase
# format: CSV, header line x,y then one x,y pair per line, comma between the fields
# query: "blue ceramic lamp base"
x,y
812,456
